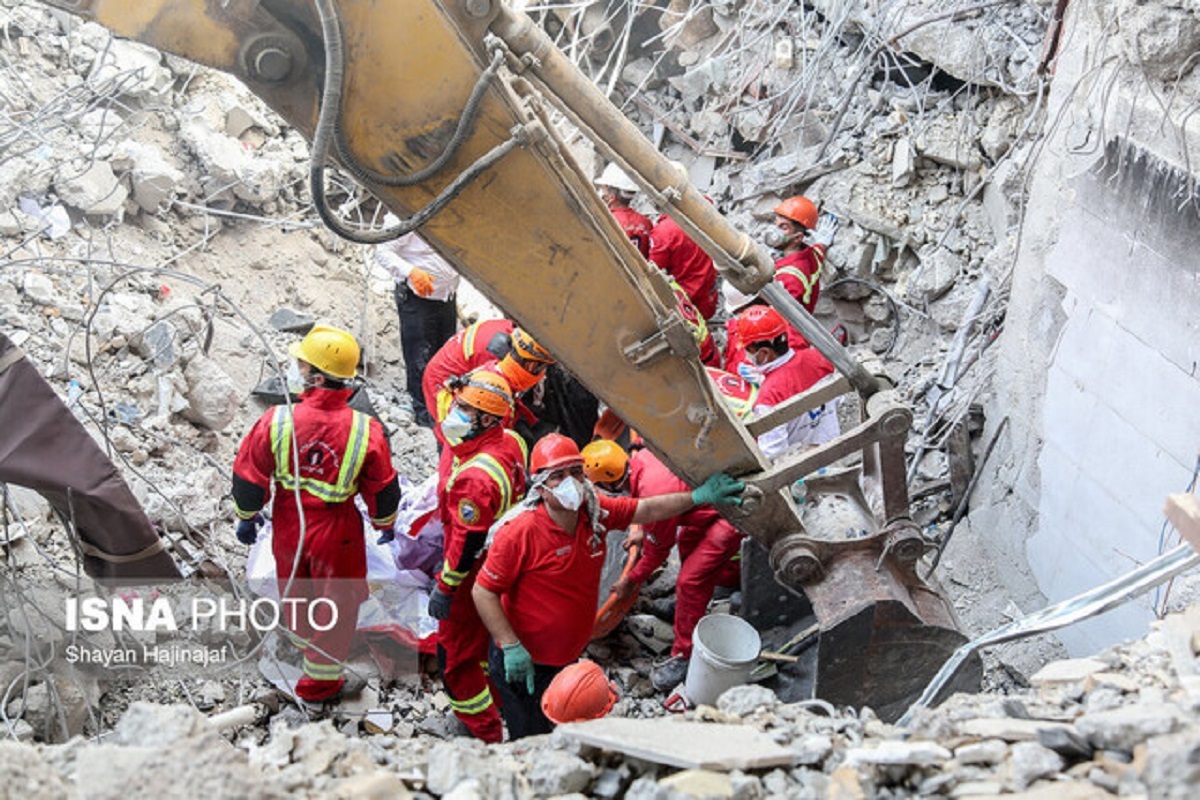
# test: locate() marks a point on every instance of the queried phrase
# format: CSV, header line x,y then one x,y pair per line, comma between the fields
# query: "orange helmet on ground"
x,y
604,461
527,348
554,450
798,209
487,392
760,324
580,692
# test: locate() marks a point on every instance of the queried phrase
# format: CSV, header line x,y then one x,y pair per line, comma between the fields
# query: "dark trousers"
x,y
522,713
425,325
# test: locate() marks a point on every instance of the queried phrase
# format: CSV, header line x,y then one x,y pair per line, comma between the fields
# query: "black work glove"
x,y
439,604
247,529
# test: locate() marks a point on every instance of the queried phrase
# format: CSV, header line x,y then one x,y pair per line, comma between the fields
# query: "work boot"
x,y
670,673
314,691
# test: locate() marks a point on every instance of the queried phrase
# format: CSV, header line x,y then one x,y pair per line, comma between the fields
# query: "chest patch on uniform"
x,y
468,512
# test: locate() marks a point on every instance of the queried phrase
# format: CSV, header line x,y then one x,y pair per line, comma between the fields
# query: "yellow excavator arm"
x,y
442,110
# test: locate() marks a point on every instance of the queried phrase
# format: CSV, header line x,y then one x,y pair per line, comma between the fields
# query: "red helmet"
x,y
554,450
580,692
798,209
760,324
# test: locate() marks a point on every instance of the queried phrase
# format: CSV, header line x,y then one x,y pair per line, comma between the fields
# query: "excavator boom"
x,y
443,110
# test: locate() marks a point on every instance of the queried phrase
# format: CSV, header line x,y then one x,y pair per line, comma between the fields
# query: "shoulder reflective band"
x,y
353,456
493,469
807,281
520,440
468,340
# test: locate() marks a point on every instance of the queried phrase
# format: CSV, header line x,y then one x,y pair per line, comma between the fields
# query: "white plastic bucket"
x,y
724,650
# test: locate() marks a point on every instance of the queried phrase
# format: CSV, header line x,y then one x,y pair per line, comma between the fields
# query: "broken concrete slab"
x,y
699,783
212,397
94,191
1067,671
682,743
1125,728
1006,728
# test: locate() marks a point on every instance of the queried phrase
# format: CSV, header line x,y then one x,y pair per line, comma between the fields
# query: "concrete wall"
x,y
1098,366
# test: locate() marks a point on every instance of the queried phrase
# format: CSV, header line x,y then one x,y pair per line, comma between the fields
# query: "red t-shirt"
x,y
549,580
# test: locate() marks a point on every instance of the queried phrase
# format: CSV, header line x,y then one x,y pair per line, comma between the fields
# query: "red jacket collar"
x,y
326,398
464,450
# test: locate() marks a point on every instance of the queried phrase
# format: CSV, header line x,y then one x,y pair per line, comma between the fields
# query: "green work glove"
x,y
518,665
719,489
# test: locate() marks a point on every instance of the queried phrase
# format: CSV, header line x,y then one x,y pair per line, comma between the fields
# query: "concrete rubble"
x,y
1120,723
161,252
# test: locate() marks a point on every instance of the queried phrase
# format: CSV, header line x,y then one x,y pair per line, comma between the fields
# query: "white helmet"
x,y
735,300
615,177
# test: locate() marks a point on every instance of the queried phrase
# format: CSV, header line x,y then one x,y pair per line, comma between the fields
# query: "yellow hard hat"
x,y
329,349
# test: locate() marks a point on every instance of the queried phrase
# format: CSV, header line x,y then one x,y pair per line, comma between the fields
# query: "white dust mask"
x,y
568,493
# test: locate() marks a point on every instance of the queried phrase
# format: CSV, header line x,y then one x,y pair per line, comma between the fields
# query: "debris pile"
x,y
1123,722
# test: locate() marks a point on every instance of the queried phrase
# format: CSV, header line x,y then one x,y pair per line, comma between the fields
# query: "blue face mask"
x,y
457,426
751,372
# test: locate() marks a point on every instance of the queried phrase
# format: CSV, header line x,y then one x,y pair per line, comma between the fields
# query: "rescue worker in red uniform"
x,y
674,252
485,476
538,589
799,271
617,191
709,547
319,549
518,357
781,373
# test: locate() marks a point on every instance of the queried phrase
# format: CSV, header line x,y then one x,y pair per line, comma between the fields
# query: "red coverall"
x,y
636,226
800,273
342,452
709,547
485,477
677,255
465,351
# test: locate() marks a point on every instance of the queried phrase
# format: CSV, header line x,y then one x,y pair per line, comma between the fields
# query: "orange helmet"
x,y
487,392
554,450
798,209
524,345
604,461
760,324
580,692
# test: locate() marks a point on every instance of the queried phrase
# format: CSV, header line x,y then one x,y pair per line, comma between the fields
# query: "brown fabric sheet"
x,y
45,448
